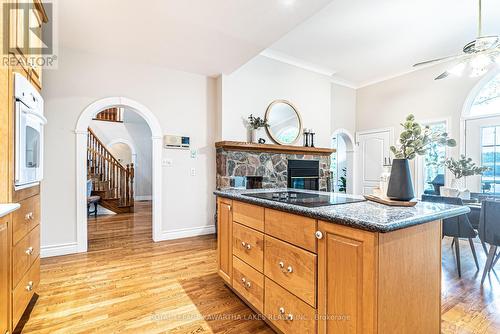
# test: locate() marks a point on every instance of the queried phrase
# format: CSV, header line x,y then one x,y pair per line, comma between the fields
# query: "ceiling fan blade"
x,y
442,75
436,60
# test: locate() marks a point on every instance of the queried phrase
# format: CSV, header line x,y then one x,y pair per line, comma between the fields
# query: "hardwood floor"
x,y
126,283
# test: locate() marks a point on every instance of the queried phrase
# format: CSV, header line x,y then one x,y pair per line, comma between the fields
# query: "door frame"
x,y
81,132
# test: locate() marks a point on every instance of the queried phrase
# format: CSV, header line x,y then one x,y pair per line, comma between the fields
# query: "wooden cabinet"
x,y
346,280
333,279
224,239
5,274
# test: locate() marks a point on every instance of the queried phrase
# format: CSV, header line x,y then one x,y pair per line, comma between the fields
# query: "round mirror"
x,y
283,122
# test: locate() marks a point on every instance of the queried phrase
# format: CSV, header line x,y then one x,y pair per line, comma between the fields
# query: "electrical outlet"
x,y
193,171
194,154
167,162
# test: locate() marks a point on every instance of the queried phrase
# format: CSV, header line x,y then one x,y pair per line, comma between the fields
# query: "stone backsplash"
x,y
271,166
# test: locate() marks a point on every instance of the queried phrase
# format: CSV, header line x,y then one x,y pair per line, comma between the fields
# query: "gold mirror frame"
x,y
266,118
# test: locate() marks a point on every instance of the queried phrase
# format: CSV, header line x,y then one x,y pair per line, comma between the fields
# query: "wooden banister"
x,y
114,114
107,173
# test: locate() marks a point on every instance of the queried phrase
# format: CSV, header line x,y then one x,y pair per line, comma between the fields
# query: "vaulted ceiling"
x,y
201,36
365,41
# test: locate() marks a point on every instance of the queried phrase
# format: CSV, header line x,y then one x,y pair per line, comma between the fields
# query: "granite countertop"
x,y
5,209
366,215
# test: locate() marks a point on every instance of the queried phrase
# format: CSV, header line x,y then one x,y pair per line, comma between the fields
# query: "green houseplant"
x,y
461,168
253,124
414,140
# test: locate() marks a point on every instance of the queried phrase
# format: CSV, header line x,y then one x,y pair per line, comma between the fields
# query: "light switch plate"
x,y
167,162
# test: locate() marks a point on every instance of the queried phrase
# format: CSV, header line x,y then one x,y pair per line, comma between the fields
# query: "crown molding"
x,y
284,58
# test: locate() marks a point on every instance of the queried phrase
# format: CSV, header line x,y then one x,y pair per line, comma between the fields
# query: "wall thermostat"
x,y
171,141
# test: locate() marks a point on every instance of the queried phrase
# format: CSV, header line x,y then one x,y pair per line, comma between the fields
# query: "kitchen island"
x,y
312,267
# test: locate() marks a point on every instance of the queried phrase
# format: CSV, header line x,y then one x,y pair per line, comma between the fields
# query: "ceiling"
x,y
208,37
364,41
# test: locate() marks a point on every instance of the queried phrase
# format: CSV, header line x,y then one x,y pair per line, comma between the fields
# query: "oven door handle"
x,y
31,112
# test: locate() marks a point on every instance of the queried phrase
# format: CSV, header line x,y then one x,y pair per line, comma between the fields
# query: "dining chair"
x,y
489,232
456,227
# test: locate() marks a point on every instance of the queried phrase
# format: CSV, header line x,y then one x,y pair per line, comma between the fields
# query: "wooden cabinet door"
x,y
346,280
224,239
4,275
35,26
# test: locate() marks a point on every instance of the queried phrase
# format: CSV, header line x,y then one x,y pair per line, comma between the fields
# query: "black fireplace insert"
x,y
303,174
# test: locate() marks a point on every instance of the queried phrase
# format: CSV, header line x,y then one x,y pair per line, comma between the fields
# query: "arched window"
x,y
487,101
482,134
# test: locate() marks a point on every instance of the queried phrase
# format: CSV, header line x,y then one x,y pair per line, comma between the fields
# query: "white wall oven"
x,y
29,123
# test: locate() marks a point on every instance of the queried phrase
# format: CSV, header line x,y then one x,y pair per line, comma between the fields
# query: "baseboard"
x,y
58,250
186,232
143,198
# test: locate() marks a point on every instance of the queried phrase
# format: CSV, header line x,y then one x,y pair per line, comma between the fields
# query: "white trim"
x,y
58,250
81,163
143,198
187,232
284,58
350,157
366,132
342,82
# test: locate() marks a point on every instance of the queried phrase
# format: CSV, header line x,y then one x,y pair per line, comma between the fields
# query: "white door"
x,y
373,151
482,144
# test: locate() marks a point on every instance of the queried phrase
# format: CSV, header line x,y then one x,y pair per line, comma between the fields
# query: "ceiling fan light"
x,y
480,61
458,69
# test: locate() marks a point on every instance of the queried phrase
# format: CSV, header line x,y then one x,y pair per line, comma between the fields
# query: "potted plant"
x,y
253,124
460,169
414,140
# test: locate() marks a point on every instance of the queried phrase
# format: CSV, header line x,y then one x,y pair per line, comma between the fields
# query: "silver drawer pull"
x,y
282,310
246,245
281,264
248,285
29,287
289,269
29,216
289,317
319,235
29,251
243,280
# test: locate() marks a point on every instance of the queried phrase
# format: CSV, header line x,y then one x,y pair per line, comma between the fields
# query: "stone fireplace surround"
x,y
266,161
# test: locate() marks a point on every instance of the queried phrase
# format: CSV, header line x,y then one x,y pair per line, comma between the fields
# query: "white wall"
x,y
343,108
139,135
183,104
251,88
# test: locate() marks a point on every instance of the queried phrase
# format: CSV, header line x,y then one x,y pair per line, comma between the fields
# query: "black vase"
x,y
400,185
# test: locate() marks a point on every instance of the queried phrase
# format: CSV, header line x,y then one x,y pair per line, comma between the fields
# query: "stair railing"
x,y
118,178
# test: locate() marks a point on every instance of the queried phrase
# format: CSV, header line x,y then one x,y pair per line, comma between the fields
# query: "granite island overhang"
x,y
360,268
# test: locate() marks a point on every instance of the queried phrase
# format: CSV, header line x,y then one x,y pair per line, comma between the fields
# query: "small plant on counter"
x,y
256,122
464,167
417,140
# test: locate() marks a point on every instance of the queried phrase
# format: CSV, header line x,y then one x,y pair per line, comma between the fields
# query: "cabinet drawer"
x,y
297,230
288,313
249,283
24,254
26,218
22,294
291,267
249,215
248,245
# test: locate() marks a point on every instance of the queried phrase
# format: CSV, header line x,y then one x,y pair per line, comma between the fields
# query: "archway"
x,y
344,160
81,162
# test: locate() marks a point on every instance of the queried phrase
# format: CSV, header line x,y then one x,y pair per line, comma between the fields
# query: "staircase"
x,y
112,181
114,114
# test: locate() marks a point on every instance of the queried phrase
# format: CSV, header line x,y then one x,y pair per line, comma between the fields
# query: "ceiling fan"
x,y
479,54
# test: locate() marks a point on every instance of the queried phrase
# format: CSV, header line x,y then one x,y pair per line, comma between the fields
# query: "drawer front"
x,y
249,215
249,283
24,254
24,291
291,267
26,218
248,245
297,230
288,313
